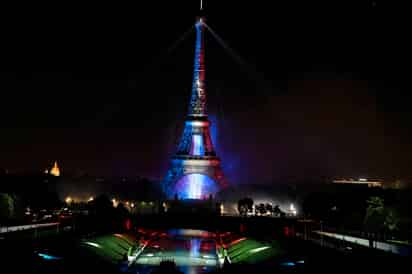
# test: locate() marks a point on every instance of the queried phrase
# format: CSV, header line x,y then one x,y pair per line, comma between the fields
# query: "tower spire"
x,y
197,107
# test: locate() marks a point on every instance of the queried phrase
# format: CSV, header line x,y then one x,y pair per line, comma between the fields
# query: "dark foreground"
x,y
21,256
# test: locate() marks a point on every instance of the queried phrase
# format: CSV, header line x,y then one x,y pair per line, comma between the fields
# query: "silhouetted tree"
x,y
378,217
375,214
277,211
6,206
121,215
269,208
392,219
260,209
244,206
102,213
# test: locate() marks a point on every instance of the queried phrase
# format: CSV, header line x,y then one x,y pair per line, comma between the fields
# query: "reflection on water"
x,y
193,251
194,247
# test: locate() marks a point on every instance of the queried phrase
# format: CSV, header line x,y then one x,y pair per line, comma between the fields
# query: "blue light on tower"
x,y
195,186
197,145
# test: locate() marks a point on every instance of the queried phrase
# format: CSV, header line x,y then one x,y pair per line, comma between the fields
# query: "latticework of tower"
x,y
195,170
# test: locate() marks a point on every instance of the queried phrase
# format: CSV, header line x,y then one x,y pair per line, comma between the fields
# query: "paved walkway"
x,y
6,229
389,247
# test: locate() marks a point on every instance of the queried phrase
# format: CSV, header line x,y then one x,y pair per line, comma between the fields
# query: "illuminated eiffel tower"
x,y
195,171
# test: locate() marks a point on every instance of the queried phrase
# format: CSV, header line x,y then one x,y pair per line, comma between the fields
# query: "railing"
x,y
388,247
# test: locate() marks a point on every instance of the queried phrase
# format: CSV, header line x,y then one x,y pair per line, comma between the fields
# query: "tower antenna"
x,y
201,4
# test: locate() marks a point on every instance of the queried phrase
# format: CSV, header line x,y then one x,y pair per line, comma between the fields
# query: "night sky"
x,y
308,88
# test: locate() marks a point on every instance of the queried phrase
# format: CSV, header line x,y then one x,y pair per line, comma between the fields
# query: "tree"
x,y
269,208
260,209
244,206
102,205
392,220
121,217
102,213
277,211
379,218
6,206
375,214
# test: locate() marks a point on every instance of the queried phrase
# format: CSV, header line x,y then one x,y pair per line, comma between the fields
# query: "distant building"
x,y
399,184
55,170
361,181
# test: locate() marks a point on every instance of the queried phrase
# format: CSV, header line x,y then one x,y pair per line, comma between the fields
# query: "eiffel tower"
x,y
195,171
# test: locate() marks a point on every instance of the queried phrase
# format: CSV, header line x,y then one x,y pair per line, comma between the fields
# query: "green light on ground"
x,y
258,249
251,251
111,248
93,244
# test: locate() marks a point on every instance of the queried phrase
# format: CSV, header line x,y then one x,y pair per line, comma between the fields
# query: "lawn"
x,y
112,248
252,251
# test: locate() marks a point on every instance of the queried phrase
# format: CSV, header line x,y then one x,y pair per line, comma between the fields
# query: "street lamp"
x,y
68,200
